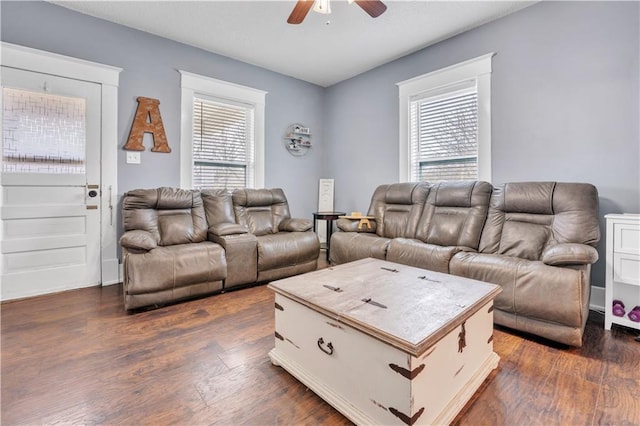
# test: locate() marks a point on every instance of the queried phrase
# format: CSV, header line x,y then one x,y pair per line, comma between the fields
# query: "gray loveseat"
x,y
181,243
535,239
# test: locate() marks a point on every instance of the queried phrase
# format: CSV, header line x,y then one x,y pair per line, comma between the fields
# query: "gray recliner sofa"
x,y
535,239
181,243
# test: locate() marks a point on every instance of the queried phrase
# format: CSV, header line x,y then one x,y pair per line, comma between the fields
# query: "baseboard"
x,y
596,302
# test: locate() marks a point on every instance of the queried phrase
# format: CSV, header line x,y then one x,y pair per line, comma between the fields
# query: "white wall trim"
x,y
192,84
25,58
478,69
596,301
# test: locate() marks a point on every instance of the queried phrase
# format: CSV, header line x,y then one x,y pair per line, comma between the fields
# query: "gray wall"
x,y
564,105
564,101
150,65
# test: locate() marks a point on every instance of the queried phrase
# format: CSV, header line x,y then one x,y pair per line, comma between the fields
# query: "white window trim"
x,y
107,76
192,84
479,69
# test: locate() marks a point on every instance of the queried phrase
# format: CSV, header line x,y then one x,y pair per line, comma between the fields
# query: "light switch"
x,y
133,157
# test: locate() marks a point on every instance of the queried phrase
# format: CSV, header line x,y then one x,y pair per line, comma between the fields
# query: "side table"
x,y
329,217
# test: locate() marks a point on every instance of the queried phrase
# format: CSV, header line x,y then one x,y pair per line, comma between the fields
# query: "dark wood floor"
x,y
78,358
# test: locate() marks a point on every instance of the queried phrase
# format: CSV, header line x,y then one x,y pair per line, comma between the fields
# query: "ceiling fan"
x,y
374,8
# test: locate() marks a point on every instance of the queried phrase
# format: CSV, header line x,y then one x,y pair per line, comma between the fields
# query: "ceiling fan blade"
x,y
300,11
374,8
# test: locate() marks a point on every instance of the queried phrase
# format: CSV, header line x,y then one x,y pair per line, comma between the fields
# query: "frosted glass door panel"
x,y
42,133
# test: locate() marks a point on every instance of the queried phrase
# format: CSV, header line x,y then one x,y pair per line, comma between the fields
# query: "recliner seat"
x,y
285,247
538,244
451,222
397,208
166,255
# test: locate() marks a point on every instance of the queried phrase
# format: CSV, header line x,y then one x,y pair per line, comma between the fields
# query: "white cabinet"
x,y
623,267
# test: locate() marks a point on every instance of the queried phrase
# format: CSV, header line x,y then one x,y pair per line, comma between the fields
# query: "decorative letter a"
x,y
147,120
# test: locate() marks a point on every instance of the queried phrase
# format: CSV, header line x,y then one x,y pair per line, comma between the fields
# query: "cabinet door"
x,y
626,238
626,268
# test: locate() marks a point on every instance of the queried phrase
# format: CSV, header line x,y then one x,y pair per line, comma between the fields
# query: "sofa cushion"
x,y
454,214
260,210
350,246
218,206
525,218
529,288
172,216
523,239
296,225
175,266
138,240
286,249
530,197
569,254
421,255
397,208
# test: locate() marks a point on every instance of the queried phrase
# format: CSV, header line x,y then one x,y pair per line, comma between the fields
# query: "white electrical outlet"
x,y
133,157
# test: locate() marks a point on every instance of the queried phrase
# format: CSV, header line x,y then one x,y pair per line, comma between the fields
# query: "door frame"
x,y
28,59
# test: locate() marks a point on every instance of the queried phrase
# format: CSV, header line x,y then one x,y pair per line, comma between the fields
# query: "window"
x,y
445,131
222,142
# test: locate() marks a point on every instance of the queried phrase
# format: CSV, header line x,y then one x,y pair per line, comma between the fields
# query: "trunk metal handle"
x,y
329,350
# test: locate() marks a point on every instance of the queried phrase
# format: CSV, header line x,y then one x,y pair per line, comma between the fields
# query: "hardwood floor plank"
x,y
78,358
566,399
619,403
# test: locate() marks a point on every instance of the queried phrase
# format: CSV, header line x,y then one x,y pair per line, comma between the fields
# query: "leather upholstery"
x,y
350,246
165,247
241,247
538,244
397,209
526,217
455,214
284,247
185,243
535,239
452,221
260,210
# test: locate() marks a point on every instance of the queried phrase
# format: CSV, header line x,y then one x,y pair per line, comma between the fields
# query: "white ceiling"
x,y
324,49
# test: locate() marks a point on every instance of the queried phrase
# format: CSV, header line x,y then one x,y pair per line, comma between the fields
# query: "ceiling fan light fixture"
x,y
322,6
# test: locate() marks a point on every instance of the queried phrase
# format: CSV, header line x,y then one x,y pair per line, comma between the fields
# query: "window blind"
x,y
223,144
444,134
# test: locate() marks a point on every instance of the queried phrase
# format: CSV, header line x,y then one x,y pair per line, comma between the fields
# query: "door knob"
x,y
92,193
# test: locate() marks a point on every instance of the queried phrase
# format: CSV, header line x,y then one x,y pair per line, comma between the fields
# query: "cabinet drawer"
x,y
626,238
626,268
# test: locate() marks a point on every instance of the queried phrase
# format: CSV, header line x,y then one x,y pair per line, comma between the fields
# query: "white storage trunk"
x,y
385,343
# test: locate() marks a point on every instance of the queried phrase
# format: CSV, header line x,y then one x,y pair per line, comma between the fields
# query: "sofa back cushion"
x,y
218,206
260,210
455,213
172,216
526,217
397,208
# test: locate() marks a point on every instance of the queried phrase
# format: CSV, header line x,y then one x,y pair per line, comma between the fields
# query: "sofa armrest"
x,y
569,254
295,225
138,240
352,225
227,228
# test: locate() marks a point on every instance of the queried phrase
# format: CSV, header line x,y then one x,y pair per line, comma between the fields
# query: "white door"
x,y
50,183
